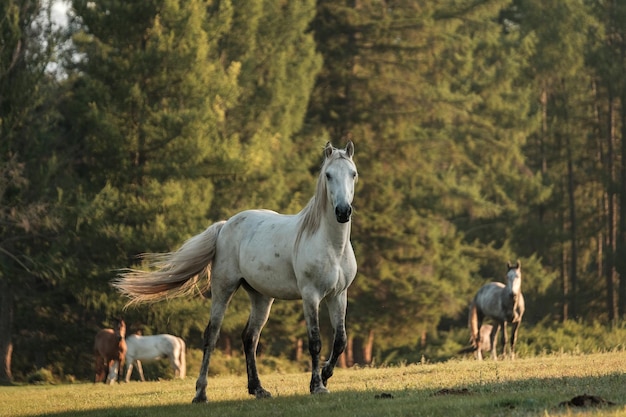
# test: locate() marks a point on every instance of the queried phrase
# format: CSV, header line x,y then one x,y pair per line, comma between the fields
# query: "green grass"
x,y
524,387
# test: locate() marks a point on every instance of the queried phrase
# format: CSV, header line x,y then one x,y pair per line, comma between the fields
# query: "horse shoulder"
x,y
131,345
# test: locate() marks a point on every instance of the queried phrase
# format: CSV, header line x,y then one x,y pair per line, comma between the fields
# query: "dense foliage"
x,y
485,131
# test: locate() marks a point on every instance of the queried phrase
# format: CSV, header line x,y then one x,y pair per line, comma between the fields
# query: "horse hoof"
x,y
321,390
198,400
262,393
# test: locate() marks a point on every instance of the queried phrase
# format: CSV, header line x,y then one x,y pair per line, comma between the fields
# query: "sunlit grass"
x,y
524,387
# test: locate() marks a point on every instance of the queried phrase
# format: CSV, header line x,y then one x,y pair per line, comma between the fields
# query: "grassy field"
x,y
524,387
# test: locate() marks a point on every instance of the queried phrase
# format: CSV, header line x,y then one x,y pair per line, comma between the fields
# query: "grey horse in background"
x,y
503,304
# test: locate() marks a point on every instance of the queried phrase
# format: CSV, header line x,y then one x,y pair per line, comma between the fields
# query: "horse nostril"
x,y
343,213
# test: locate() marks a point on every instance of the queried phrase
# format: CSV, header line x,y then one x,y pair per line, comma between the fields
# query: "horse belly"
x,y
270,277
262,242
147,352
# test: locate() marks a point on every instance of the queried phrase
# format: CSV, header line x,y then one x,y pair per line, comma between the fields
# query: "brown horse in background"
x,y
110,351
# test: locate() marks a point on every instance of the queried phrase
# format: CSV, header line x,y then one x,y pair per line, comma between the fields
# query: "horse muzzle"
x,y
343,213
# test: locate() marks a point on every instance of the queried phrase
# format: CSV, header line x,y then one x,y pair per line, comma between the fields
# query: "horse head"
x,y
514,279
340,177
120,329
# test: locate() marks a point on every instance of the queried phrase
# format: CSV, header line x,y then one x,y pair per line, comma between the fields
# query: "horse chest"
x,y
327,278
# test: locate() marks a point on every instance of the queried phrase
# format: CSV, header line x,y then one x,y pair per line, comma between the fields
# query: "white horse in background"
x,y
150,348
305,256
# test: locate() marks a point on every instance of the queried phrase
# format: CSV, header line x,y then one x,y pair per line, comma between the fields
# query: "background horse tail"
x,y
473,324
177,273
182,360
468,349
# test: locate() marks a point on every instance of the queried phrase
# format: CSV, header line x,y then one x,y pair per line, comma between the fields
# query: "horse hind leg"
x,y
101,371
337,311
220,299
259,313
182,360
140,370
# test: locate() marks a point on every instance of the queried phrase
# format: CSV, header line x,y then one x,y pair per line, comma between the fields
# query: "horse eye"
x,y
328,176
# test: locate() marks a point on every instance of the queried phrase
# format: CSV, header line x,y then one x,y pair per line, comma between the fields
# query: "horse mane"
x,y
311,214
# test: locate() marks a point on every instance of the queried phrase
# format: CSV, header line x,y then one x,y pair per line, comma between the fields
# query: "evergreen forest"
x,y
485,131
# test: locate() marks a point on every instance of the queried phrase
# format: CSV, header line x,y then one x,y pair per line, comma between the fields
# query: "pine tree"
x,y
28,165
148,111
429,94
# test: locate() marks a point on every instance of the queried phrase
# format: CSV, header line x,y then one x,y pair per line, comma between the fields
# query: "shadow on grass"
x,y
519,398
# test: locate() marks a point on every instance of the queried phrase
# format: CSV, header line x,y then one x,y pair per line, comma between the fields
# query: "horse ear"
x,y
518,265
328,150
350,149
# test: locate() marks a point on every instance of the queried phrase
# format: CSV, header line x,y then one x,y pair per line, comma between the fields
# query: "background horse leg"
x,y
311,315
337,311
494,340
182,360
477,339
514,330
259,313
505,339
101,370
112,377
140,370
129,370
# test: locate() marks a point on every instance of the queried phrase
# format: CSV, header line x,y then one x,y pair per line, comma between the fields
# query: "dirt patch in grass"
x,y
453,391
586,401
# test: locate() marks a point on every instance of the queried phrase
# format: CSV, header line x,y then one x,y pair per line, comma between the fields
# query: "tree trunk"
x,y
611,211
571,189
368,348
349,352
6,326
621,243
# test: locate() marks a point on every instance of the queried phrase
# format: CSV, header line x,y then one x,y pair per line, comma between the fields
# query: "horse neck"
x,y
319,217
337,233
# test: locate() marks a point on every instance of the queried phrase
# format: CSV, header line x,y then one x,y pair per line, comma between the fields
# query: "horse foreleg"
x,y
337,311
505,339
474,325
113,370
311,316
514,330
259,313
494,341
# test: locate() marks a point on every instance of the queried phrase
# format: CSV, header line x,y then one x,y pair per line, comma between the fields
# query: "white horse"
x,y
149,348
305,256
502,303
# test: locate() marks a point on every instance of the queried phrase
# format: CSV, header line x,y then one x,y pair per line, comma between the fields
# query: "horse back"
x,y
489,300
152,347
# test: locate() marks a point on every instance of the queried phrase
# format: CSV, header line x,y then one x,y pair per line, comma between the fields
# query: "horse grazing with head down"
x,y
503,304
110,351
305,256
150,348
